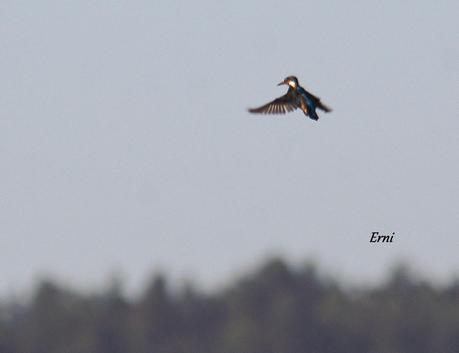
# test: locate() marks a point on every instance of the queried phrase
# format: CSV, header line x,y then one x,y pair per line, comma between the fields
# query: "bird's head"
x,y
292,81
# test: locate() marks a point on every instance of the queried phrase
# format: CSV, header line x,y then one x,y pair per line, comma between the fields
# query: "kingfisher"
x,y
296,97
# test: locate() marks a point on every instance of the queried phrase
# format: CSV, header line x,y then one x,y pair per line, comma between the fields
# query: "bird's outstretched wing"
x,y
318,103
281,105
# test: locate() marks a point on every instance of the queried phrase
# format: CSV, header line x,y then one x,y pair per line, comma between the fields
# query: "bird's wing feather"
x,y
318,103
281,105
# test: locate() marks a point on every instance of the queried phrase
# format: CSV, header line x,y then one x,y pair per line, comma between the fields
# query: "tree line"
x,y
276,309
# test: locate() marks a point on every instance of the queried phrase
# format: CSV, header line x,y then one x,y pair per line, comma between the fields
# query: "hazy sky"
x,y
125,143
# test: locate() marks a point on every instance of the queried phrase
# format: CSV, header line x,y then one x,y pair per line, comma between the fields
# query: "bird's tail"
x,y
312,114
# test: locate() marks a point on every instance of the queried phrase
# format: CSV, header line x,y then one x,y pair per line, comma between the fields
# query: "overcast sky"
x,y
125,144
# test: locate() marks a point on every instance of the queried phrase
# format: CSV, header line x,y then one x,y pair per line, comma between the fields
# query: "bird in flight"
x,y
296,97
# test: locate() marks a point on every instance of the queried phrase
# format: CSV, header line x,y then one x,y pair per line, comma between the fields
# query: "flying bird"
x,y
296,97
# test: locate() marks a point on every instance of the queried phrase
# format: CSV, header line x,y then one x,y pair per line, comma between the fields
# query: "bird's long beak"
x,y
281,83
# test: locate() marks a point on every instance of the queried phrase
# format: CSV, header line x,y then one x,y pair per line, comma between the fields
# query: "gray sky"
x,y
125,143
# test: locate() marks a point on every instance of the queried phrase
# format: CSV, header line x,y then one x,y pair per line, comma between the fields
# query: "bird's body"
x,y
296,97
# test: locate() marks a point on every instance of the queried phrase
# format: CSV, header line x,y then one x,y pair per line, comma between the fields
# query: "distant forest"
x,y
276,309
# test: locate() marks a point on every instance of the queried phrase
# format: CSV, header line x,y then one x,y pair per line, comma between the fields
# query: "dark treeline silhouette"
x,y
277,309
